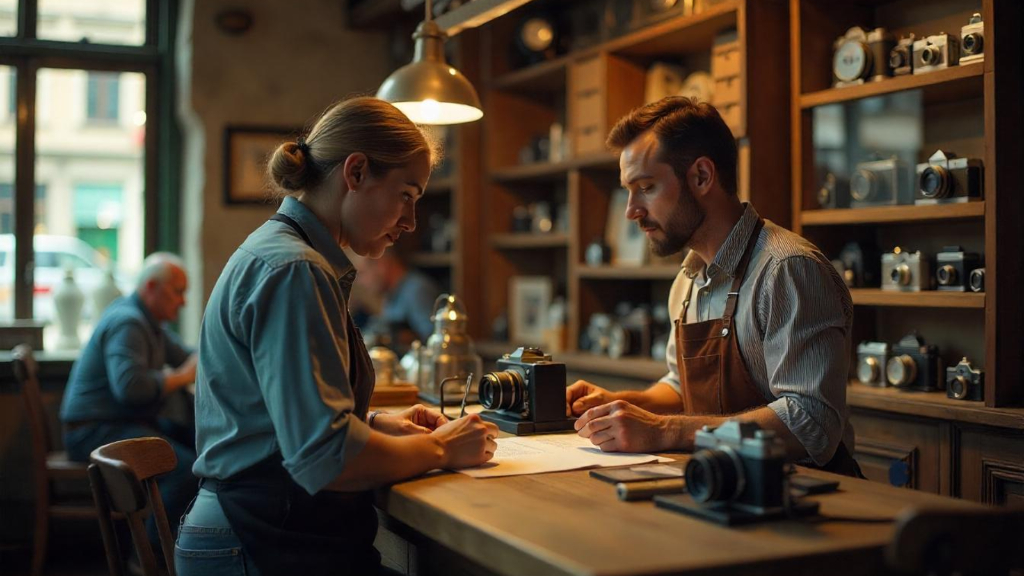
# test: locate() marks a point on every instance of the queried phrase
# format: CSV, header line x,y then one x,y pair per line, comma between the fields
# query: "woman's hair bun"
x,y
290,167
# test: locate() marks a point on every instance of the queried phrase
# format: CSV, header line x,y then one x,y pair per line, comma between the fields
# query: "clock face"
x,y
537,34
851,61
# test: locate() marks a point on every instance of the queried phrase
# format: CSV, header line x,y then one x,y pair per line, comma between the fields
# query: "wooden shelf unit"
x,y
964,109
430,259
584,362
529,240
932,405
648,272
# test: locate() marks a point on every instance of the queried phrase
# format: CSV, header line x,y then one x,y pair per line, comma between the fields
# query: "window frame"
x,y
27,54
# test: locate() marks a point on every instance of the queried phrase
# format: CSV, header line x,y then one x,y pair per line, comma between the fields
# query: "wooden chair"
x,y
982,541
48,464
123,477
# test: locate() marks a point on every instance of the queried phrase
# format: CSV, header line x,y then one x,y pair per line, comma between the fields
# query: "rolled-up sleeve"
x,y
175,350
126,355
299,342
806,316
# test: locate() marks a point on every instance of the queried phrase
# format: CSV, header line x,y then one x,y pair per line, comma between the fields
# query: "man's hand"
x,y
415,420
583,395
177,378
623,427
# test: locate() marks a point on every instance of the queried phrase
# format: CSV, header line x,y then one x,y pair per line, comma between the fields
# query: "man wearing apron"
x,y
762,320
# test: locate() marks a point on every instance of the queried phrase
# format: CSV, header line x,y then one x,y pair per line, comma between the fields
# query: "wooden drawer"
x,y
902,450
725,60
727,90
992,466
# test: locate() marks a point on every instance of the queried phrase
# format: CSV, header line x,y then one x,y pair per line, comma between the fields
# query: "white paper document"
x,y
552,453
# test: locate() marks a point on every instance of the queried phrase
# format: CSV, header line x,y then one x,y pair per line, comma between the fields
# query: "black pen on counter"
x,y
647,489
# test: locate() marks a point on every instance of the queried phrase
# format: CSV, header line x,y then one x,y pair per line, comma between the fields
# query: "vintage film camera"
x,y
972,41
736,475
834,193
905,271
526,395
977,280
861,56
944,178
871,360
953,268
879,183
914,365
859,265
630,334
935,53
965,382
901,58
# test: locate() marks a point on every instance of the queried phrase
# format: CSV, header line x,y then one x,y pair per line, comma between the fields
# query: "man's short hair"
x,y
686,130
157,266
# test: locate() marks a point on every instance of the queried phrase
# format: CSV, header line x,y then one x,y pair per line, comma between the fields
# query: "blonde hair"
x,y
363,124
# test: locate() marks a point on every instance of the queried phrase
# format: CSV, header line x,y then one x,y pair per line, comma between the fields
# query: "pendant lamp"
x,y
428,90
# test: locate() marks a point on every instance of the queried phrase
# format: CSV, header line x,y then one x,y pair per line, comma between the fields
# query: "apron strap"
x,y
290,222
741,271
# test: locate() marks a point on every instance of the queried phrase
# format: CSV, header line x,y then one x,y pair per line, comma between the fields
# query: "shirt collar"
x,y
321,239
731,252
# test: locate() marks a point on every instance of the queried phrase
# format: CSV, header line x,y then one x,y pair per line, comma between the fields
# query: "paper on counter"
x,y
552,453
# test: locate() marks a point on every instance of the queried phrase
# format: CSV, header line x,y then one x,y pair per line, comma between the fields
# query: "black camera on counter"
x,y
977,280
965,382
736,475
953,269
872,358
944,178
936,52
972,41
914,365
526,395
858,265
879,183
905,271
901,58
861,56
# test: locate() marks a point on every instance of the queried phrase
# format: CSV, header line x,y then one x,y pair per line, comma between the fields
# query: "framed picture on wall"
x,y
529,298
247,150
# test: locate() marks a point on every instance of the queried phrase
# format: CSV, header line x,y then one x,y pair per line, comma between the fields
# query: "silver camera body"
x,y
936,52
972,41
871,360
879,183
946,179
901,58
860,56
905,271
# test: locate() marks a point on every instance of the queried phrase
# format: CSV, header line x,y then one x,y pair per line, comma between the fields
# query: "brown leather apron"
x,y
713,378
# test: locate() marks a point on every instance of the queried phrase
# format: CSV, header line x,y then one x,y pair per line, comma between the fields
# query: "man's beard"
x,y
681,225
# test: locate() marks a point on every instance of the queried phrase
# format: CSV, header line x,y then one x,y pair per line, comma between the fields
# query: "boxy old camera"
x,y
861,56
972,41
936,53
879,183
953,268
945,178
914,365
526,395
965,382
905,271
901,58
871,360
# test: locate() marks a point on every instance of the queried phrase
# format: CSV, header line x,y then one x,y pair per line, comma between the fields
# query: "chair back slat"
x,y
26,371
110,544
162,526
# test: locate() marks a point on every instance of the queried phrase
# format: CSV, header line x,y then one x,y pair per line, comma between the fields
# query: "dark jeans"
x,y
177,488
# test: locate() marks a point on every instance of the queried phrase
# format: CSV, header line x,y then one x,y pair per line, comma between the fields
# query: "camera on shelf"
x,y
914,365
977,280
935,53
877,183
901,58
859,265
861,56
965,382
945,178
526,395
630,334
972,41
953,268
834,193
905,271
871,360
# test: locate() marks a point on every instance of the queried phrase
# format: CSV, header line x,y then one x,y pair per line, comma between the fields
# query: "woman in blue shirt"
x,y
286,449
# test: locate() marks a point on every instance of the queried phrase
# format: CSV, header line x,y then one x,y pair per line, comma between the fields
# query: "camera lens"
x,y
900,275
714,475
901,370
934,182
862,185
973,43
978,280
867,370
898,58
958,387
930,55
946,275
502,390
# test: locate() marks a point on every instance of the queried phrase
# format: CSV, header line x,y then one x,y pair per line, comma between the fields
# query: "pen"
x,y
646,490
465,395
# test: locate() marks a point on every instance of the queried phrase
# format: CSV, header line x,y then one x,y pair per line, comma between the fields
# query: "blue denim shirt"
x,y
274,357
119,373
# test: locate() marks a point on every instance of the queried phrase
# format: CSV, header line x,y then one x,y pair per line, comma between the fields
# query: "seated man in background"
x,y
408,300
126,371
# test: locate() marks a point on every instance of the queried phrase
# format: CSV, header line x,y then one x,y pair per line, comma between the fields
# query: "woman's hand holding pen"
x,y
415,420
466,442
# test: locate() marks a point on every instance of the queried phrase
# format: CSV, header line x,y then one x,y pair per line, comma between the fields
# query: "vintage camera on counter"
x,y
879,183
914,365
944,178
859,265
953,268
834,193
872,358
861,56
935,53
901,58
965,382
526,395
905,271
972,41
736,475
977,280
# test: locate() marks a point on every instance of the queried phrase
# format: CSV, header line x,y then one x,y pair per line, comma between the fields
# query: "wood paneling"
x,y
991,466
905,451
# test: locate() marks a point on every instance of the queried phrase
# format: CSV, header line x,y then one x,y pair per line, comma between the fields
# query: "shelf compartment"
x,y
893,214
692,34
527,240
647,272
548,171
627,367
542,78
932,405
430,259
923,299
949,85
